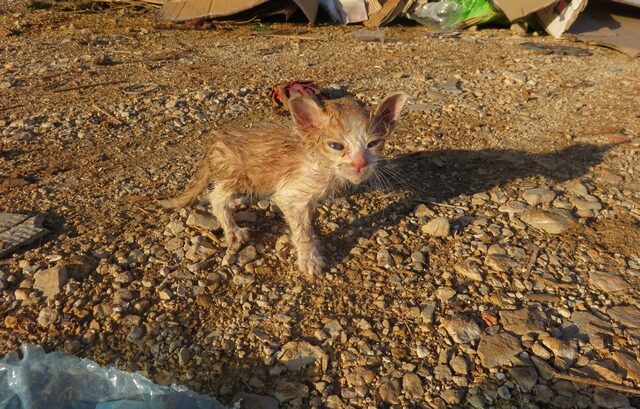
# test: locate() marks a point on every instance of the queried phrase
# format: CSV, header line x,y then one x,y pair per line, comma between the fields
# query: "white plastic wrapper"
x,y
61,381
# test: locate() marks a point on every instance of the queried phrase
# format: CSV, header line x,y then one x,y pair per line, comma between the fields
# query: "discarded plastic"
x,y
444,14
369,35
451,14
61,381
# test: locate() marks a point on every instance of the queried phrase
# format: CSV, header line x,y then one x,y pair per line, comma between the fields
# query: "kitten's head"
x,y
345,135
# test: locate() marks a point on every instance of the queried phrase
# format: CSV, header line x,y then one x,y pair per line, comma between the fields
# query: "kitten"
x,y
329,144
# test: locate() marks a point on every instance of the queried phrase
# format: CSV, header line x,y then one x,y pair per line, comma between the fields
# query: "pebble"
x,y
523,321
412,385
551,221
462,331
607,282
51,280
47,317
247,255
538,196
437,227
468,269
513,207
498,350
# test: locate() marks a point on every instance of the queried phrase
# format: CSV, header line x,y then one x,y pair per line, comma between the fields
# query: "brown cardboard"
x,y
390,10
516,9
611,25
183,10
557,18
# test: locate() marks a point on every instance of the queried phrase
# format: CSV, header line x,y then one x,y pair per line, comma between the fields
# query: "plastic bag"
x,y
61,381
451,14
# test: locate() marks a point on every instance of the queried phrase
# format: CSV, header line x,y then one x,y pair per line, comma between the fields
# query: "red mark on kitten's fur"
x,y
331,143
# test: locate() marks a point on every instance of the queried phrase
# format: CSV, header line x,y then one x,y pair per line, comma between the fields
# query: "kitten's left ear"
x,y
386,115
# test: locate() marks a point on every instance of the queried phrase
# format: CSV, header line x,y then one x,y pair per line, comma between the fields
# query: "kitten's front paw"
x,y
311,266
237,237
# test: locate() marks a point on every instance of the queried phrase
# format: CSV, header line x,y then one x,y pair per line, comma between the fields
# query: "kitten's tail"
x,y
196,186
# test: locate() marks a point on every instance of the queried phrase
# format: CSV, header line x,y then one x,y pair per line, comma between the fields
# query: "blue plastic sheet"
x,y
59,380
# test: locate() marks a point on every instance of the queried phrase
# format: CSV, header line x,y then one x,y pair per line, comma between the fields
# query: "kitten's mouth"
x,y
356,177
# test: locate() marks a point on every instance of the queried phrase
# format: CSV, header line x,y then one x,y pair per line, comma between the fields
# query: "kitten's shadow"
x,y
442,175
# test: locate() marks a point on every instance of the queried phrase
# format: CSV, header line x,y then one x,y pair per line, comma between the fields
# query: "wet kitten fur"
x,y
330,144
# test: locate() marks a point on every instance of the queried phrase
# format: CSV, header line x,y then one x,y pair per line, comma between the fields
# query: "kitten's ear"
x,y
307,112
386,115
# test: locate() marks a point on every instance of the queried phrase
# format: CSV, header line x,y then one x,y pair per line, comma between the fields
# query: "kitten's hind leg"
x,y
220,198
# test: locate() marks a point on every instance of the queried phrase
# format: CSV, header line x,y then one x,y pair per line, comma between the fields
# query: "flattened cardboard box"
x,y
183,10
516,9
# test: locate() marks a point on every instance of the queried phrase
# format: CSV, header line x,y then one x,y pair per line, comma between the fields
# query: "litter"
x,y
451,14
58,380
370,35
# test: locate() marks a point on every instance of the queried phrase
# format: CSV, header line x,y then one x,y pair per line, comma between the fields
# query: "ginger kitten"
x,y
328,145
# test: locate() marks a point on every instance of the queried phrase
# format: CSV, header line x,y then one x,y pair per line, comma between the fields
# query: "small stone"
x,y
459,365
576,187
523,321
462,331
295,355
422,210
125,277
629,364
286,391
437,227
384,259
513,207
538,196
427,311
551,221
245,216
452,396
47,317
543,393
525,376
184,356
607,282
254,401
498,350
412,385
442,373
445,293
582,204
607,370
247,255
499,262
135,334
51,280
626,315
588,324
563,350
101,59
165,294
606,398
545,370
389,391
468,269
243,279
203,221
204,300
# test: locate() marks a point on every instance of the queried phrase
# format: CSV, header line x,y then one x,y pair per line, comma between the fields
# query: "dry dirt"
x,y
101,109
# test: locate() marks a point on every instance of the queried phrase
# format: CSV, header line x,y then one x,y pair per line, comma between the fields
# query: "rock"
x,y
184,356
201,250
247,255
427,311
101,59
459,365
468,269
253,401
497,350
606,398
452,396
525,376
607,370
588,324
543,393
629,364
18,230
384,259
412,385
523,321
245,216
538,196
462,331
295,355
422,210
512,207
544,369
437,227
360,377
628,316
576,187
607,282
286,391
47,317
445,293
135,334
243,279
165,294
442,373
564,350
51,280
499,262
389,391
583,204
551,221
203,221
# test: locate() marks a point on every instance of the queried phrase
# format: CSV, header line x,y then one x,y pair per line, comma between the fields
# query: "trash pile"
x,y
59,380
611,23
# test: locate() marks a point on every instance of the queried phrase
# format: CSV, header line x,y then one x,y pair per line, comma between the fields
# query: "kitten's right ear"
x,y
386,115
307,112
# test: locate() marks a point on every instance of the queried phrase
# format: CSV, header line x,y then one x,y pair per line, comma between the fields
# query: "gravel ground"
x,y
501,257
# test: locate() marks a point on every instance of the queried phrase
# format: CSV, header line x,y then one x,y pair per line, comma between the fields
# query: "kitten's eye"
x,y
374,143
337,146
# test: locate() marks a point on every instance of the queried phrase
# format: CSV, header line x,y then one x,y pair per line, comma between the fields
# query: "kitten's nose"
x,y
359,162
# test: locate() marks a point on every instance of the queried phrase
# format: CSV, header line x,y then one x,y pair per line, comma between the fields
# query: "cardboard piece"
x,y
390,10
517,9
183,10
557,18
611,25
